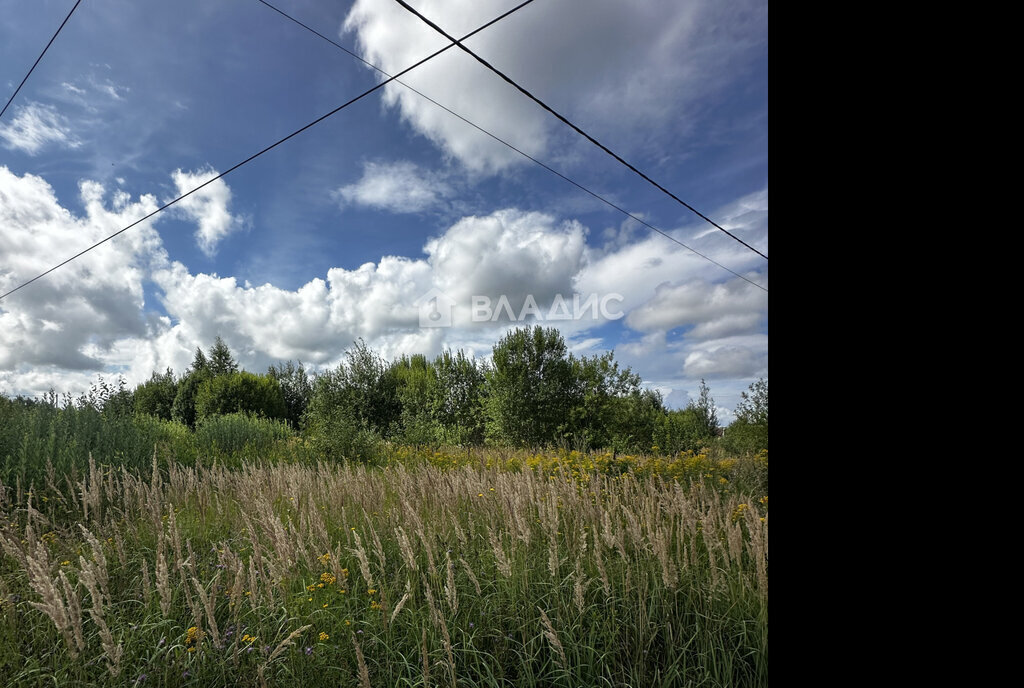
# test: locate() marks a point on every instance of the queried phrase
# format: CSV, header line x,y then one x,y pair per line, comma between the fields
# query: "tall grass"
x,y
293,574
37,439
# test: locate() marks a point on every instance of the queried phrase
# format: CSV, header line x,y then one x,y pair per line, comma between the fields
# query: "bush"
x,y
183,409
682,430
745,438
235,434
155,397
335,433
241,392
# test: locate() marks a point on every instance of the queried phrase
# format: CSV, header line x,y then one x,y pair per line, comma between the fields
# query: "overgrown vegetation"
x,y
537,520
342,574
532,394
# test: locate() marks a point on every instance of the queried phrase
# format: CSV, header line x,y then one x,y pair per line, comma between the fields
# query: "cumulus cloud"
x,y
630,68
399,187
86,305
208,207
91,316
34,126
504,253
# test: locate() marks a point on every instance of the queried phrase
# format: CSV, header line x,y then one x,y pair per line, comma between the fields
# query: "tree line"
x,y
533,392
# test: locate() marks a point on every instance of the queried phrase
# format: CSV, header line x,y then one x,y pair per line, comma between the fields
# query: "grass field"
x,y
479,568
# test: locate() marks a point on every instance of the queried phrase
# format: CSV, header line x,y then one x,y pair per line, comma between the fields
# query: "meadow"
x,y
260,565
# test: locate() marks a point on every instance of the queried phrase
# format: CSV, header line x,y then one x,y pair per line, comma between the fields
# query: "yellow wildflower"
x,y
324,636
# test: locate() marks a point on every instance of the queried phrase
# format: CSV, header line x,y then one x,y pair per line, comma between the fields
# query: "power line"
x,y
509,145
574,127
39,58
268,148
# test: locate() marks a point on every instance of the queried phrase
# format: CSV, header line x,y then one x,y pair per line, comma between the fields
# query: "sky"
x,y
393,220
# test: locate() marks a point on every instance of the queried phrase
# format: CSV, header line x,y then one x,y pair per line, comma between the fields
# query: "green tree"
x,y
199,362
221,361
749,432
704,407
183,409
612,409
155,397
681,430
753,408
241,392
457,400
296,387
370,388
530,388
415,387
354,406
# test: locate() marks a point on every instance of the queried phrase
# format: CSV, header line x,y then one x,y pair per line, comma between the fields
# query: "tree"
x,y
370,388
753,408
612,409
221,361
199,362
155,397
363,387
529,387
241,392
749,432
457,400
183,409
415,388
707,416
681,430
296,387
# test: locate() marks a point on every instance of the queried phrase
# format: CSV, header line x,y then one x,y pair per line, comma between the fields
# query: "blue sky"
x,y
337,233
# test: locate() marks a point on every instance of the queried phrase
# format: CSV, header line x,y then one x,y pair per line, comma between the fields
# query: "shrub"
x,y
155,397
235,434
335,433
241,392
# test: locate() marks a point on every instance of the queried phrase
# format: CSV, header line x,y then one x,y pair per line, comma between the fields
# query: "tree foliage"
x,y
241,392
155,397
530,387
297,388
749,432
183,409
221,361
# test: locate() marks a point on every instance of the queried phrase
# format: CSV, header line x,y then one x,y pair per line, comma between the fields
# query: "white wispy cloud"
x,y
398,187
35,126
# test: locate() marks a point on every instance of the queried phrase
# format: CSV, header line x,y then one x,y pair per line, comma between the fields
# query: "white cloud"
x,y
623,68
34,126
735,361
711,310
208,207
90,316
400,187
86,305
